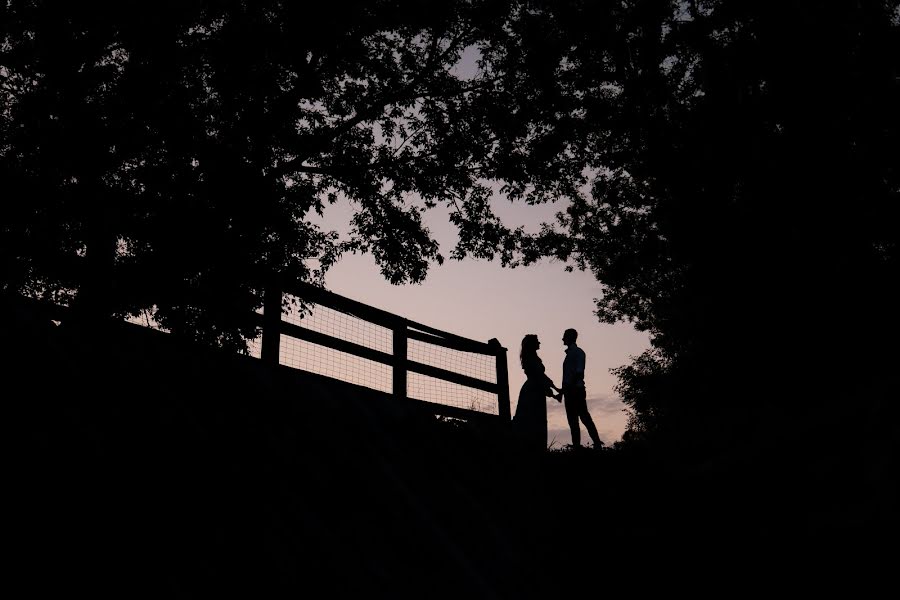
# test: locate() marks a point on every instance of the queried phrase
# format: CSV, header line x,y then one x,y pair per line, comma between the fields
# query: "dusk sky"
x,y
481,300
726,172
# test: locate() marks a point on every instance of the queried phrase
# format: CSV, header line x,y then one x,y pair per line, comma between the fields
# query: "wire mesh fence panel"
x,y
342,366
326,320
438,391
321,360
471,364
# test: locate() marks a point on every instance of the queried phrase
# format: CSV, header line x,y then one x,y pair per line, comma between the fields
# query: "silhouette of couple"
x,y
530,421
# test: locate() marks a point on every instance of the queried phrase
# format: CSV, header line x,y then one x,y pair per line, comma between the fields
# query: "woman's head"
x,y
530,345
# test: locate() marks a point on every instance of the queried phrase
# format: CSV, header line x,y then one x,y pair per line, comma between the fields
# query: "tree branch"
x,y
408,92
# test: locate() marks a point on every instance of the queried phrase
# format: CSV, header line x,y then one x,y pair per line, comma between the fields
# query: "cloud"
x,y
605,404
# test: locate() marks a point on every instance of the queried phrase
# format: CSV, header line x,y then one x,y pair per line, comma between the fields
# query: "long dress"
x,y
530,421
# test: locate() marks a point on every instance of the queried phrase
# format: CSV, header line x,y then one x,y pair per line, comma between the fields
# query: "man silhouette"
x,y
574,392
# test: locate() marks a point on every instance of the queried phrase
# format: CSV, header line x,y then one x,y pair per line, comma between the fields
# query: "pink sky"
x,y
481,300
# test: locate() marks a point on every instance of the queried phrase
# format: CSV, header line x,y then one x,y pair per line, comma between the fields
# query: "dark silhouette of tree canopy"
x,y
729,173
741,161
167,157
743,207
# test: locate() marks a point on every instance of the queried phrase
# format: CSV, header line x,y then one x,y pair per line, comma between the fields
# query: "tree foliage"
x,y
168,157
743,207
730,170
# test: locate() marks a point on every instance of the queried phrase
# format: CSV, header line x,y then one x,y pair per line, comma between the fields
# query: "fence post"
x,y
271,335
400,360
502,380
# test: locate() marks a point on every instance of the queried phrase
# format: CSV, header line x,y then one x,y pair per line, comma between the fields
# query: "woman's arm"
x,y
550,386
558,395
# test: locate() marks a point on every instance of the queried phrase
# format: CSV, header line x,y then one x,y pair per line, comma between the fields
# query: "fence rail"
x,y
431,346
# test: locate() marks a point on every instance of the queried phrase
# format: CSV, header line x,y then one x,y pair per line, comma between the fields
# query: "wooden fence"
x,y
403,330
274,327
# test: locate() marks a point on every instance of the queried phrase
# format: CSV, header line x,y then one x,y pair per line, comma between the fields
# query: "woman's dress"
x,y
530,421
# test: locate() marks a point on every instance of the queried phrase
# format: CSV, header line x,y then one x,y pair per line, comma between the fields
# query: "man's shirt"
x,y
573,367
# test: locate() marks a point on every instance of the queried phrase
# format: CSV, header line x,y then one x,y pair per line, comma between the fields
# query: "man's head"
x,y
569,337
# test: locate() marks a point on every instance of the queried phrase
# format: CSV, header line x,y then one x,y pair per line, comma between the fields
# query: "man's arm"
x,y
580,366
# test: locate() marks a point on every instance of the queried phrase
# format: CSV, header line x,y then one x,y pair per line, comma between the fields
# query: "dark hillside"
x,y
140,464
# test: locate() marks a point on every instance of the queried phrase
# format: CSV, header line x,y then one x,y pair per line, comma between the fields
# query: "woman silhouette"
x,y
530,421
